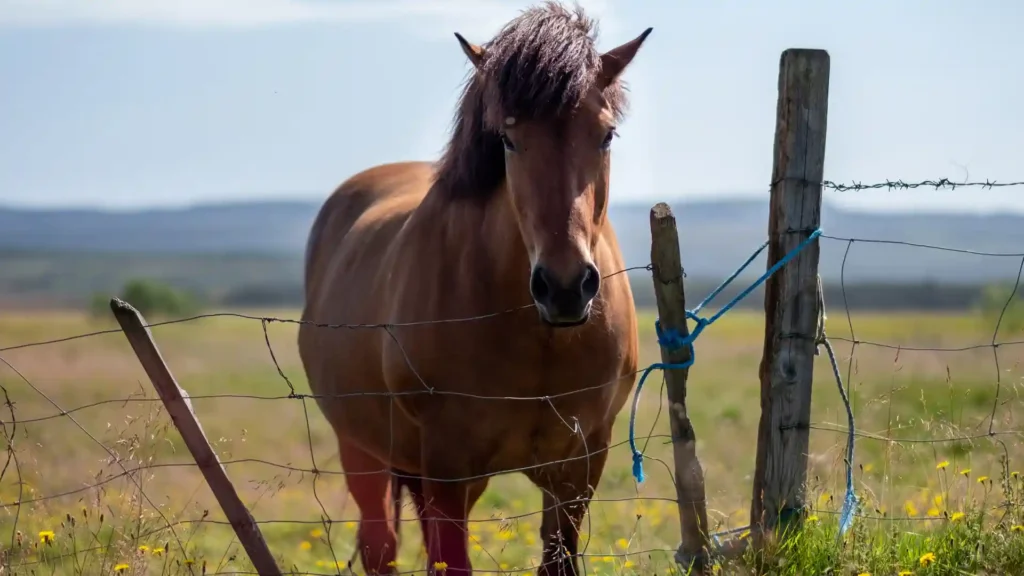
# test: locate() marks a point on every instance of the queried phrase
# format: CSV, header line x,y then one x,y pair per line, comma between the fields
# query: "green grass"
x,y
912,508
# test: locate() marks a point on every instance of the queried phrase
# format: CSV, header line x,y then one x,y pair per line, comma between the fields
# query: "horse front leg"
x,y
568,489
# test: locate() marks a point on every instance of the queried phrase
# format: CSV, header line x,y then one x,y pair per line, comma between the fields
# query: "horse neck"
x,y
485,234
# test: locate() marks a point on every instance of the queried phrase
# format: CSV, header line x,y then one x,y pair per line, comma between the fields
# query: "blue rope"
x,y
672,340
850,501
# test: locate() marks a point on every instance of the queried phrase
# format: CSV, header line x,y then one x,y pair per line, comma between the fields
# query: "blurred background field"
x,y
269,449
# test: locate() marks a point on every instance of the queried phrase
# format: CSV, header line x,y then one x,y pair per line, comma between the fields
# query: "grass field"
x,y
959,494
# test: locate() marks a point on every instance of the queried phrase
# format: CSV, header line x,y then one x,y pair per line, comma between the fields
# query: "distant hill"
x,y
715,237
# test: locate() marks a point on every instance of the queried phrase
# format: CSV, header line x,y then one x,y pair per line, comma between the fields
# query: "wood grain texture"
x,y
180,410
791,305
671,297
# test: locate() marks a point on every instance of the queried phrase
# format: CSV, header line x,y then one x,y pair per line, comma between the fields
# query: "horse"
x,y
485,328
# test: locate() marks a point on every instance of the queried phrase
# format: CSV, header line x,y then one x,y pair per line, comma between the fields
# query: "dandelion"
x,y
933,512
982,479
143,549
121,568
316,533
627,564
927,559
622,543
393,563
1017,528
46,537
905,573
966,472
744,534
956,517
864,574
305,545
189,561
158,551
942,465
812,519
868,467
938,500
1014,474
910,508
441,566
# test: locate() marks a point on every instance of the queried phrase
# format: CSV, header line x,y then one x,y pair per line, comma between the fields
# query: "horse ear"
x,y
615,61
473,52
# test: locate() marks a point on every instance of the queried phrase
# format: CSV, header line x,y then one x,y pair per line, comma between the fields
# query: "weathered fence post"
x,y
180,409
790,298
667,271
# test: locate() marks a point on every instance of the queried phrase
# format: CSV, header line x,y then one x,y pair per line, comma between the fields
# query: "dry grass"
x,y
924,395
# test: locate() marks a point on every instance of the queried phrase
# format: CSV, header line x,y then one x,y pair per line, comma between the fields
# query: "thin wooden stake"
x,y
669,291
180,409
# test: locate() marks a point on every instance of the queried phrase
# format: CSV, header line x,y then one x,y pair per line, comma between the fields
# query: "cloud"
x,y
478,17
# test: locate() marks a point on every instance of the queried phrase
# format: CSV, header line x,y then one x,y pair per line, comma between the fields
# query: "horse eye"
x,y
507,143
608,139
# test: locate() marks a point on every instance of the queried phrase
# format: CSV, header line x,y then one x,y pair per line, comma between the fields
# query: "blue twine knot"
x,y
671,339
638,466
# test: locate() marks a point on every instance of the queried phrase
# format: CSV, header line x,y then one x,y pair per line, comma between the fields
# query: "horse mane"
x,y
540,66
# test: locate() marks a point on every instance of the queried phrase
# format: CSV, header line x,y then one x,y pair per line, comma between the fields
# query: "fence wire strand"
x,y
13,426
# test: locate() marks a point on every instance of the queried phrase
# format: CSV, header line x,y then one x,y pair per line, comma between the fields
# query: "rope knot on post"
x,y
671,339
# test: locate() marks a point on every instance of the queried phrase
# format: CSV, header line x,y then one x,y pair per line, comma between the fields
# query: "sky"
x,y
145,103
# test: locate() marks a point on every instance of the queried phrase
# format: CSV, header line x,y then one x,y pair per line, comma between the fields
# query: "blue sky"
x,y
128,103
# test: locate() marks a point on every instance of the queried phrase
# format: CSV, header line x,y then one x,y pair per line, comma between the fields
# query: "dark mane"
x,y
539,66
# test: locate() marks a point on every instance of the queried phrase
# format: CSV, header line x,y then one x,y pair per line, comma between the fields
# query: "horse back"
x,y
354,229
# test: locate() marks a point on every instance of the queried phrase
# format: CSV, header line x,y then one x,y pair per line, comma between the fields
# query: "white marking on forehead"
x,y
510,121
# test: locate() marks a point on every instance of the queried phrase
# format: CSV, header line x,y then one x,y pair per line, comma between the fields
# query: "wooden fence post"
x,y
790,298
667,271
180,409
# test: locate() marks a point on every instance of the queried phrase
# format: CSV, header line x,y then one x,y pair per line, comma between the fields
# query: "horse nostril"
x,y
539,286
591,282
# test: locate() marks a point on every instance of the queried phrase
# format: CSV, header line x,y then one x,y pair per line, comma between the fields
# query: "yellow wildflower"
x,y
1017,528
933,512
938,500
744,534
864,574
158,551
906,573
622,543
982,479
812,519
393,564
316,533
189,561
627,564
927,559
46,536
957,516
942,465
120,568
966,472
305,545
143,549
440,565
910,508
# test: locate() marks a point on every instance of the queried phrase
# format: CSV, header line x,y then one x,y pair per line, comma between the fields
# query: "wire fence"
x,y
148,530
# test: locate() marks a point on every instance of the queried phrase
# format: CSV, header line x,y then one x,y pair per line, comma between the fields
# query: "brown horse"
x,y
463,381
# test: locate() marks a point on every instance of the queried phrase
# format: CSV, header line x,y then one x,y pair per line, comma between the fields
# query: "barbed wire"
x,y
11,425
903,185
